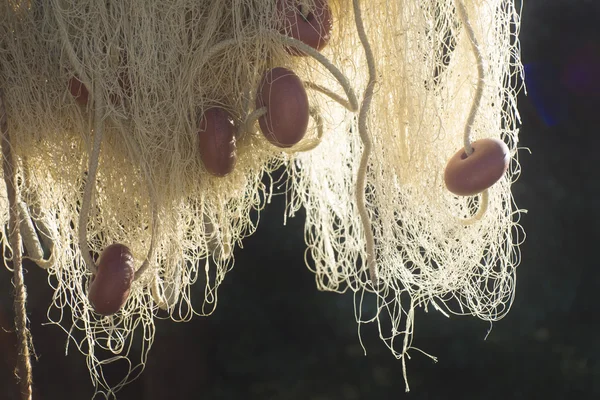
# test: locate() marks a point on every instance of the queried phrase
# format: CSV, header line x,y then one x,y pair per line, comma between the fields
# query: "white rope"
x,y
361,180
462,12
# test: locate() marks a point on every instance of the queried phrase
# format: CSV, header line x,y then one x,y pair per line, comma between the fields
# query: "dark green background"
x,y
274,336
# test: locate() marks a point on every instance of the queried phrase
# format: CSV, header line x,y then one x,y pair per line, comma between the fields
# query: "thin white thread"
x,y
153,202
153,235
75,63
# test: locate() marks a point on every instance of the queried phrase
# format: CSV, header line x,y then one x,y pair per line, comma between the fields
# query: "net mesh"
x,y
152,67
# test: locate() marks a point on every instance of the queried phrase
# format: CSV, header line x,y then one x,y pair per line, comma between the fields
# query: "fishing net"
x,y
103,101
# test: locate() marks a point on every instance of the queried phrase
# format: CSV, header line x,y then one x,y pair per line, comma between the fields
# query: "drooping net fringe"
x,y
158,65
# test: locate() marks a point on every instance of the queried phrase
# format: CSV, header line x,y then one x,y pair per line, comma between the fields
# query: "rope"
x,y
90,183
462,12
249,124
32,222
483,206
28,235
311,144
32,243
20,299
338,75
334,96
212,52
361,180
467,139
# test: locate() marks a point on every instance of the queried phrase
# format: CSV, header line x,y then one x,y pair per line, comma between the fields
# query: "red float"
x,y
469,175
314,29
282,93
111,285
79,91
216,139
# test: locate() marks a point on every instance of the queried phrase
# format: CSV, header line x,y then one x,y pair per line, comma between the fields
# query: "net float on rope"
x,y
281,91
111,285
216,141
312,28
472,174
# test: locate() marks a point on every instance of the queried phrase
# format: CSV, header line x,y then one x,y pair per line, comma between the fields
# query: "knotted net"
x,y
400,88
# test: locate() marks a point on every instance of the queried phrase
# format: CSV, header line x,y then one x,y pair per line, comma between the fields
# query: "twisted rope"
x,y
361,180
20,297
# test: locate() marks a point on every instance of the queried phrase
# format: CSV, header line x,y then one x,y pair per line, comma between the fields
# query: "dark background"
x,y
274,336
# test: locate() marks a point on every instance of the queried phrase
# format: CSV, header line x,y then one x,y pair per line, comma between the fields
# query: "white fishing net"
x,y
152,67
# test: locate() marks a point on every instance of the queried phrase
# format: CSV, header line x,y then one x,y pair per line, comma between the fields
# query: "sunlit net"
x,y
153,66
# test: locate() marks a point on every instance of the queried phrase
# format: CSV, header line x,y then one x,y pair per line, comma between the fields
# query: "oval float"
x,y
111,285
469,175
314,29
79,91
216,141
282,93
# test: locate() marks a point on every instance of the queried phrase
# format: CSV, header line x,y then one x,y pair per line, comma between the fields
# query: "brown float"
x,y
284,96
110,287
314,29
216,141
79,91
469,175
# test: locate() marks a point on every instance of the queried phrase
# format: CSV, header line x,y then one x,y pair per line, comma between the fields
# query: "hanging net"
x,y
107,104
